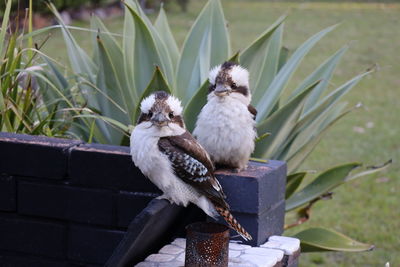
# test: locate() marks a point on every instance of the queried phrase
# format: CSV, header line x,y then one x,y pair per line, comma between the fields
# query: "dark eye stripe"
x,y
211,88
242,89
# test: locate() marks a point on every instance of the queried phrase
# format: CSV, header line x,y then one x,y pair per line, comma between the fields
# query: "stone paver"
x,y
171,249
278,250
159,258
288,244
180,242
237,246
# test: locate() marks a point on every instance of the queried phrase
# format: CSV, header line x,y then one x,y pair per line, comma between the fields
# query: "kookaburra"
x,y
174,161
225,126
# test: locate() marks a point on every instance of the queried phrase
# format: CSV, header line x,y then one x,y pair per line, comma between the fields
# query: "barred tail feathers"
x,y
228,217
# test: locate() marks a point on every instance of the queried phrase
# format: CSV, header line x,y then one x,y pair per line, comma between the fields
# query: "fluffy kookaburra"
x,y
174,161
225,126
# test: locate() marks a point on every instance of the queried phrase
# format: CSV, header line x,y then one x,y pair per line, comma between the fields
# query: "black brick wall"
x,y
67,203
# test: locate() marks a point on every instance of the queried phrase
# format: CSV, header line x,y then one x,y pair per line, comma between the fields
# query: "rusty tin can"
x,y
207,244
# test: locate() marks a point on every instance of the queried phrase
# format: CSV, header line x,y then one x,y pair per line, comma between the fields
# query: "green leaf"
x,y
164,31
261,58
112,92
124,129
80,61
129,52
331,99
280,124
194,106
111,83
320,239
295,157
283,56
115,56
235,58
4,25
369,170
157,83
299,138
293,182
145,53
324,74
206,45
323,183
272,94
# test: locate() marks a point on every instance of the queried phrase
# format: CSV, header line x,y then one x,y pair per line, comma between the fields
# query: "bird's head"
x,y
163,112
229,79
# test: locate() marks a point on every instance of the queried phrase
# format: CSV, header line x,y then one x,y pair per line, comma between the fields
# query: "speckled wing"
x,y
192,164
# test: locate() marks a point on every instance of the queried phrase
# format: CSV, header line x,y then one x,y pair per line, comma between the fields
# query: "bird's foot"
x,y
239,169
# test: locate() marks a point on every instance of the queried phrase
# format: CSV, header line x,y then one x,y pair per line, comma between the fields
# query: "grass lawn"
x,y
367,209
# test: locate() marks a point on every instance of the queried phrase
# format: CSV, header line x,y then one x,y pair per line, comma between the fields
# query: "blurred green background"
x,y
366,209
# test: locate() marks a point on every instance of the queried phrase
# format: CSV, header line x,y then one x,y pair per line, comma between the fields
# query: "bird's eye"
x,y
171,115
234,86
150,114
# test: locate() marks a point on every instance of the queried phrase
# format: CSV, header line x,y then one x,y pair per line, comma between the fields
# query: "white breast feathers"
x,y
225,128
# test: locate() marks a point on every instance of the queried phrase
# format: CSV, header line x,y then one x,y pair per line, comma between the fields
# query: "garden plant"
x,y
101,93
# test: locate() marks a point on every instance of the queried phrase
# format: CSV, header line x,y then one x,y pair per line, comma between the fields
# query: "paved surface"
x,y
278,251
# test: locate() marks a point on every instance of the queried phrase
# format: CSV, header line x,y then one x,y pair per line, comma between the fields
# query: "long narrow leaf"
x,y
145,53
272,94
4,25
166,64
323,73
261,58
320,239
79,60
164,31
280,124
194,106
206,45
293,182
294,160
369,170
323,183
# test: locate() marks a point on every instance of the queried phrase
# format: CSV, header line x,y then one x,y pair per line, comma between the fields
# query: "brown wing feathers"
x,y
192,164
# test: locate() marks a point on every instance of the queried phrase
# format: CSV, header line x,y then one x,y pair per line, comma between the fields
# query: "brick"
x,y
25,261
42,200
256,189
65,202
34,156
130,204
32,236
260,226
8,193
107,166
91,206
92,245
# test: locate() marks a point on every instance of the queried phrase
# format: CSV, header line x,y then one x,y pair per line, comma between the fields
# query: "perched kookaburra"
x,y
174,161
225,126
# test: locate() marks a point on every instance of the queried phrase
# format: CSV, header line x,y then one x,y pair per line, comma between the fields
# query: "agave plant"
x,y
124,69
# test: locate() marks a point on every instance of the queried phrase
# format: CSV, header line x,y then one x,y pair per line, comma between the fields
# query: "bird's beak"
x,y
159,119
221,90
